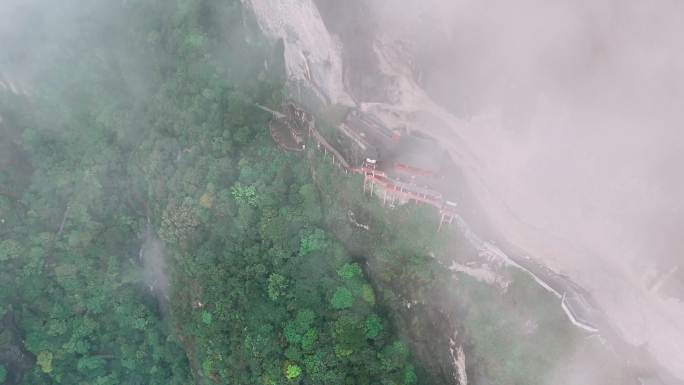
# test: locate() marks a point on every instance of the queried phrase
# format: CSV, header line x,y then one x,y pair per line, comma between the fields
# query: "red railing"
x,y
397,188
408,192
412,170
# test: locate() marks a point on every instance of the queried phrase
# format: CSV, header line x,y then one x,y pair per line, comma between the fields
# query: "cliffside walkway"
x,y
285,129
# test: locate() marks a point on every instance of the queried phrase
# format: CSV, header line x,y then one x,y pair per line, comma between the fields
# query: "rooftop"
x,y
418,156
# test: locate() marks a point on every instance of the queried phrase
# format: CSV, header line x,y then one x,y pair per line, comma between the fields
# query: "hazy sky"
x,y
576,110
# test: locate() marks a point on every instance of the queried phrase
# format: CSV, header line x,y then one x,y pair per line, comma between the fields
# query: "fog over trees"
x,y
129,123
152,231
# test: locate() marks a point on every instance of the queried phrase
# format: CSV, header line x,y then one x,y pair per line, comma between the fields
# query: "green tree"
x,y
309,339
342,299
179,222
10,249
368,294
311,202
293,371
304,319
410,377
206,317
246,195
313,242
349,336
373,326
44,360
350,271
277,285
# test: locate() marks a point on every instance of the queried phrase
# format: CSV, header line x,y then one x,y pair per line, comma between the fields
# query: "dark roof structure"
x,y
416,155
371,131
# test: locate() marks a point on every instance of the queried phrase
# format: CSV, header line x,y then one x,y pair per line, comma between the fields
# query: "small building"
x,y
289,128
369,134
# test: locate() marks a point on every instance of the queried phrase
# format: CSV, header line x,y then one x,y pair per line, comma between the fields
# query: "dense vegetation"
x,y
140,123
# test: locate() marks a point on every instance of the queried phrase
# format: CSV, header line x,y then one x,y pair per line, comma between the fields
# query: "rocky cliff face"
x,y
312,56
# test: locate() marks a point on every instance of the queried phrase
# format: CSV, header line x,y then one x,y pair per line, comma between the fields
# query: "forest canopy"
x,y
151,231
